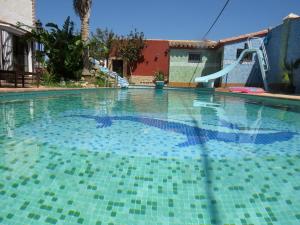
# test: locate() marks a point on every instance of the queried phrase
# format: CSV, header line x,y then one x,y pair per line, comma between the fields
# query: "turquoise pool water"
x,y
142,156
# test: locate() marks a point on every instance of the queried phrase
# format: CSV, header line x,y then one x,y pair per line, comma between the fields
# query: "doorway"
x,y
117,66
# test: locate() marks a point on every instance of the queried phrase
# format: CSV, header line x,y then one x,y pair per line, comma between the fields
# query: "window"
x,y
195,57
247,57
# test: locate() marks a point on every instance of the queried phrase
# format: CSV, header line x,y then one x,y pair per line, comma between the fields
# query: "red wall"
x,y
155,57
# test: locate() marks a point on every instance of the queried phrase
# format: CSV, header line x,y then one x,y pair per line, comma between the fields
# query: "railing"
x,y
262,47
14,78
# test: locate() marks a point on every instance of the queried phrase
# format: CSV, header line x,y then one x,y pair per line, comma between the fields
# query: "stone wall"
x,y
142,80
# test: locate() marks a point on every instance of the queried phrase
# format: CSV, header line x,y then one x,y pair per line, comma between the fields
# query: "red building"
x,y
155,58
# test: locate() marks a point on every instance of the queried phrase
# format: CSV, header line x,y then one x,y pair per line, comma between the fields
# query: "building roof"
x,y
208,44
192,44
243,37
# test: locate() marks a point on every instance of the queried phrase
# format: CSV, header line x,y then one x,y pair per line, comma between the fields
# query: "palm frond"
x,y
53,26
82,7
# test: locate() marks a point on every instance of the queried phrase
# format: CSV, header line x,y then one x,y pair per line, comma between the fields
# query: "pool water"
x,y
142,156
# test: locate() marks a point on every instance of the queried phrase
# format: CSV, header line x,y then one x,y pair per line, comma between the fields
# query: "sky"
x,y
174,19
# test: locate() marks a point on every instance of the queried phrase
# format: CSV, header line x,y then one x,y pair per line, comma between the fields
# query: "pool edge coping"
x,y
293,98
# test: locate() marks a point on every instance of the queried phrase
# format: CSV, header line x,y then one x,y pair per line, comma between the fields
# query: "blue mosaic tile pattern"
x,y
196,135
147,157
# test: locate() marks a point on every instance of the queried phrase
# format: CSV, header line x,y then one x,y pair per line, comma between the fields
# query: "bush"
x,y
100,82
100,79
48,79
159,76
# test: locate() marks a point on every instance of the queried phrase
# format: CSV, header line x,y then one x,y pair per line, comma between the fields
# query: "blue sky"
x,y
173,19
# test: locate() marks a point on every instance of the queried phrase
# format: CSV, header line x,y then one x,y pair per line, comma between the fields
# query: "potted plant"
x,y
159,79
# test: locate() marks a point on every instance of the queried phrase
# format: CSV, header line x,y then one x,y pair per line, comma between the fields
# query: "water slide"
x,y
122,82
263,64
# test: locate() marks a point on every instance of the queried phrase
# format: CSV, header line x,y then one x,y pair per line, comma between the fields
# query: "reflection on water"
x,y
8,120
207,109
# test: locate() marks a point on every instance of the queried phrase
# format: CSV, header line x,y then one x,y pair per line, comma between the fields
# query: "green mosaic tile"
x,y
51,220
9,215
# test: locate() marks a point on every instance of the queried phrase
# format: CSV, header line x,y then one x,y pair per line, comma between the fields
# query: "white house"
x,y
14,53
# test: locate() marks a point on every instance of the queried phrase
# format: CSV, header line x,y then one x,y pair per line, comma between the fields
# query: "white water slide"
x,y
262,59
122,82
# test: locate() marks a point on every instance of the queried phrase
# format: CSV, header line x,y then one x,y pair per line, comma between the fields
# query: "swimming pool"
x,y
143,156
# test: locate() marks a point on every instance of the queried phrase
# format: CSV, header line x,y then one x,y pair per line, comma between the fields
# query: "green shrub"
x,y
62,49
100,82
48,79
159,76
100,79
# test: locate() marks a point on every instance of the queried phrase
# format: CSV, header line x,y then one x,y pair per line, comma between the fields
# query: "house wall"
x,y
17,11
155,58
293,52
183,73
283,45
12,12
273,51
246,73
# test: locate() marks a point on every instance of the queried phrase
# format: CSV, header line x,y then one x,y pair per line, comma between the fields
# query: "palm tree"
x,y
83,10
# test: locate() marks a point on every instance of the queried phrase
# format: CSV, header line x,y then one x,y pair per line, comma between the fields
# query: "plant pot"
x,y
159,84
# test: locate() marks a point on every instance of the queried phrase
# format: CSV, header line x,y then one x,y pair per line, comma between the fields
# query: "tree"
x,y
83,10
62,49
101,44
130,48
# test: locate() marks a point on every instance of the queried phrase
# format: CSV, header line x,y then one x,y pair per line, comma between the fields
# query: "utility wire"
x,y
215,21
211,27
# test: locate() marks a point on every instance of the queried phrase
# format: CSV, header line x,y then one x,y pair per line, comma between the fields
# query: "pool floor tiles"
x,y
63,186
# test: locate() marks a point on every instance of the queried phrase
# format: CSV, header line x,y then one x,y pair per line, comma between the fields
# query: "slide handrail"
x,y
263,49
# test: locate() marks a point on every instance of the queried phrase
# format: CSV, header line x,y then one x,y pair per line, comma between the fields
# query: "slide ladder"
x,y
260,45
256,45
